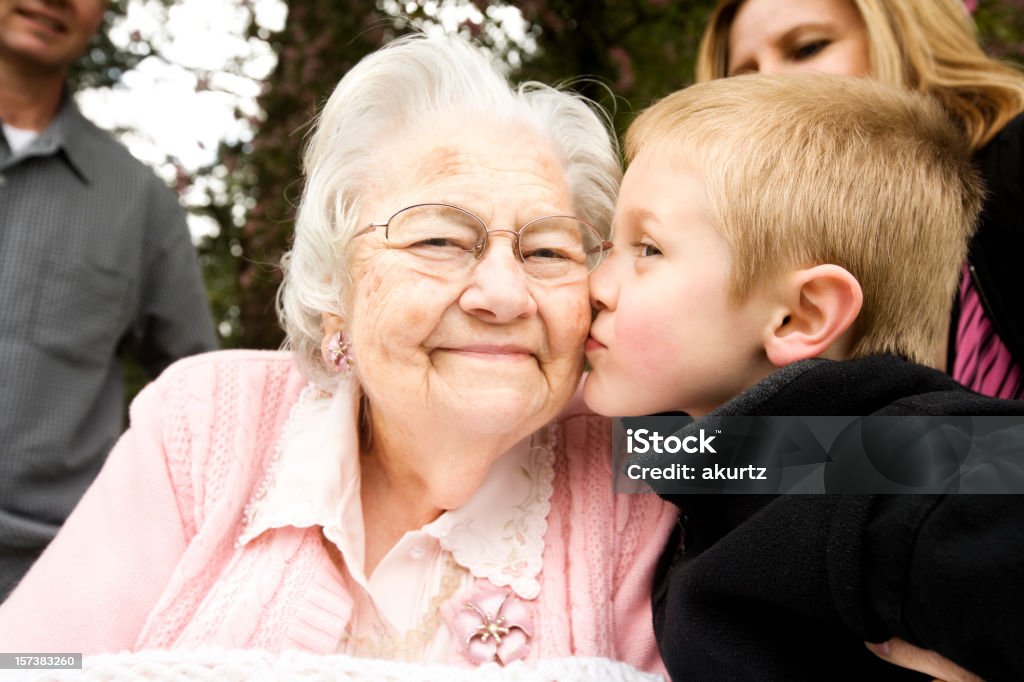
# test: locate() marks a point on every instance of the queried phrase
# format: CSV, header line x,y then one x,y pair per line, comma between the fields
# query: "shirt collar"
x,y
68,133
314,480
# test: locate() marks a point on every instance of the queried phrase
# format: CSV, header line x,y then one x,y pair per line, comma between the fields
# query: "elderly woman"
x,y
398,484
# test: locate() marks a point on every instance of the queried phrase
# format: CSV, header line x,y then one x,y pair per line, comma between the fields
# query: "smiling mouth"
x,y
494,353
43,20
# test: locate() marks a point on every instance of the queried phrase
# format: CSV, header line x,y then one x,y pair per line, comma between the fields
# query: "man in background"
x,y
95,260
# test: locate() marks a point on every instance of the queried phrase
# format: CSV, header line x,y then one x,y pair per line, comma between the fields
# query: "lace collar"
x,y
313,480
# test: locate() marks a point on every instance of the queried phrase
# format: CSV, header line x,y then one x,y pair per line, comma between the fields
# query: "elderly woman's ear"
x,y
332,325
335,346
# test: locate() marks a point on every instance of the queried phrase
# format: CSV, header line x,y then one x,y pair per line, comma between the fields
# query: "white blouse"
x,y
498,534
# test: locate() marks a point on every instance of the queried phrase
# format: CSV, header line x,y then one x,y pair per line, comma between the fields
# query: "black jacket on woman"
x,y
997,248
762,587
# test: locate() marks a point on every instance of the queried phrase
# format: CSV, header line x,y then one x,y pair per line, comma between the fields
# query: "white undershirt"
x,y
18,138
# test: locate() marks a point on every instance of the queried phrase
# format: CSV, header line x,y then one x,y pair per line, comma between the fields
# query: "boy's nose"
x,y
604,288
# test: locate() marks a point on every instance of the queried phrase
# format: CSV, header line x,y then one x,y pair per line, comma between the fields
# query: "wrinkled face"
x,y
488,349
49,34
667,337
799,36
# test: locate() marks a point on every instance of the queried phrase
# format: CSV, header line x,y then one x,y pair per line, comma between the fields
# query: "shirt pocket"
x,y
79,314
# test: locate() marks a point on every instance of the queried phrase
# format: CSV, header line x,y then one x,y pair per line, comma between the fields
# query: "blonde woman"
x,y
930,47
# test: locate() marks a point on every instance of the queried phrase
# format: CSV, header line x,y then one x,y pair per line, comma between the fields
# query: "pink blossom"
x,y
971,5
490,624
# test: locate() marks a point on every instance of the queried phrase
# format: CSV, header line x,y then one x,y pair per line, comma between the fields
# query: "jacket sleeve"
x,y
793,591
946,573
95,584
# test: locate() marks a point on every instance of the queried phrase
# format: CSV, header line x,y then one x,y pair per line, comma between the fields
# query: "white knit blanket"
x,y
246,665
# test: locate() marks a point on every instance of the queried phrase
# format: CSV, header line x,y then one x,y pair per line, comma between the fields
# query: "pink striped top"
x,y
982,362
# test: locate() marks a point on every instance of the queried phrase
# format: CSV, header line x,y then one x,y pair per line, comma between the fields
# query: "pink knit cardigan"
x,y
148,558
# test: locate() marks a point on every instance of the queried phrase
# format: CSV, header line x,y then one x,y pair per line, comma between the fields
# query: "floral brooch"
x,y
492,624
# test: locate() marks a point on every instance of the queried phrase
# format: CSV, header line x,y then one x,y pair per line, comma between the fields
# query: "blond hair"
x,y
804,170
931,47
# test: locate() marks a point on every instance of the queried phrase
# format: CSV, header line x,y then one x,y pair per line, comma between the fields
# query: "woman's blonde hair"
x,y
929,46
803,171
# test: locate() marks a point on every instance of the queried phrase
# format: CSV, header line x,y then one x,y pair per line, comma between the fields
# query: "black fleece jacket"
x,y
762,587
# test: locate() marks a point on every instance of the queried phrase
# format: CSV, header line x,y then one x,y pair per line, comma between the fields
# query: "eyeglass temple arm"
x,y
369,228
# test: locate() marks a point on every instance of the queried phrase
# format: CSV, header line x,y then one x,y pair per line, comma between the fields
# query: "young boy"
x,y
791,246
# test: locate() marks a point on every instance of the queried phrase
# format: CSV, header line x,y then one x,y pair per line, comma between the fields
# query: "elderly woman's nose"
x,y
499,290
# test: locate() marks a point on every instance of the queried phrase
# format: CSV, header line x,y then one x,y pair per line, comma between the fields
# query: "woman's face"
x,y
799,36
488,350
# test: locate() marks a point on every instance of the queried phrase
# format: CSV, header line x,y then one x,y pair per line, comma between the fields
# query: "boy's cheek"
x,y
607,392
644,347
626,377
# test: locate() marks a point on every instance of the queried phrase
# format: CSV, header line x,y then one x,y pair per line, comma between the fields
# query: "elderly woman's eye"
x,y
437,242
808,50
552,239
556,254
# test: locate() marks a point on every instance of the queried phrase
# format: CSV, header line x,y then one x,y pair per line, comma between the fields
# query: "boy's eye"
x,y
645,250
808,50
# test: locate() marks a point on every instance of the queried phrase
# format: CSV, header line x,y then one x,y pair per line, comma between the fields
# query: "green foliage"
x,y
630,51
103,63
322,40
1001,28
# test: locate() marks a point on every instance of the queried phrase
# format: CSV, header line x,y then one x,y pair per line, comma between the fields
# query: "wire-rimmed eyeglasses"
x,y
441,238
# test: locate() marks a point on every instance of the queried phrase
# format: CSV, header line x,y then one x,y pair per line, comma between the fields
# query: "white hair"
x,y
413,79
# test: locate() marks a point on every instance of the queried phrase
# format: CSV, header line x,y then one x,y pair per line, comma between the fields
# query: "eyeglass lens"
x,y
446,239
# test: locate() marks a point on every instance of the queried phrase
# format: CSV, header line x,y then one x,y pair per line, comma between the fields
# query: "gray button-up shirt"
x,y
95,258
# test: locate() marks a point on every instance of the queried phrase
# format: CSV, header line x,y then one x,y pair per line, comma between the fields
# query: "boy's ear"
x,y
820,304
